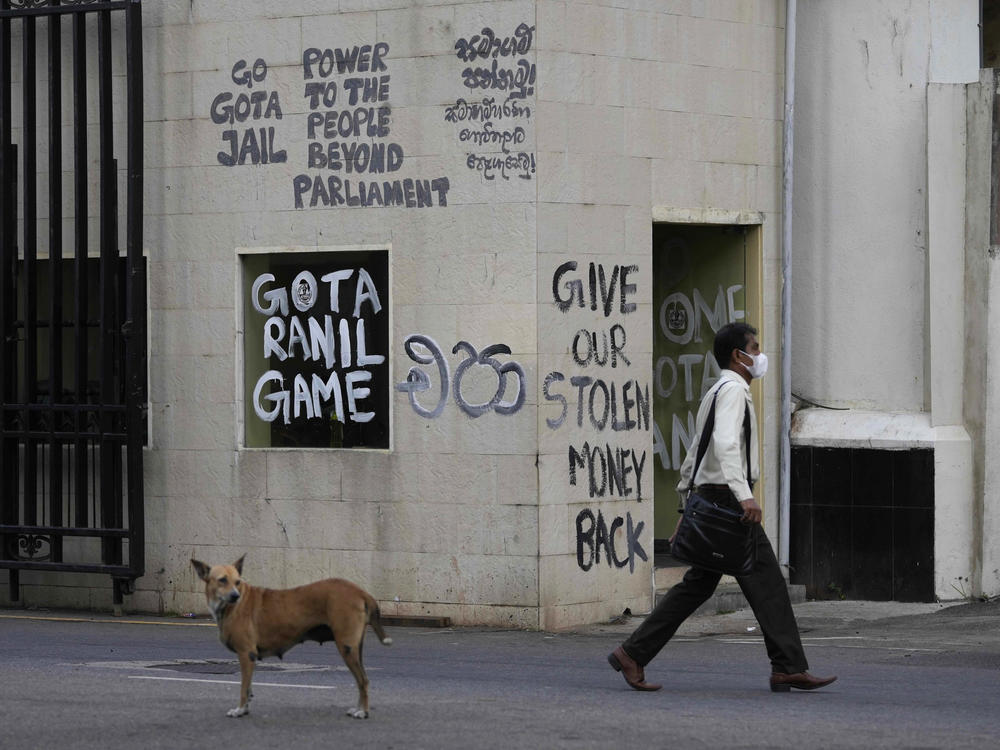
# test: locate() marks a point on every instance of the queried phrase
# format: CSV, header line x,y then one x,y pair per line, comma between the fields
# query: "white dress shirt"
x,y
725,461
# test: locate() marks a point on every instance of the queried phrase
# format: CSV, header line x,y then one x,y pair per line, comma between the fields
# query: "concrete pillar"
x,y
944,361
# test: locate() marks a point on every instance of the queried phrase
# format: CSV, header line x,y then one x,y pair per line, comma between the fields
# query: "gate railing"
x,y
72,327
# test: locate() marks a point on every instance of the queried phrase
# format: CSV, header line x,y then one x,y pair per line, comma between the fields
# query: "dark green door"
x,y
699,285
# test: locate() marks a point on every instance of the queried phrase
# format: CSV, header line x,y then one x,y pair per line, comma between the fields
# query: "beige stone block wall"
x,y
647,106
444,522
654,104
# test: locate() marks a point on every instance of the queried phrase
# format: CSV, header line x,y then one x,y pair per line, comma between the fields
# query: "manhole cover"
x,y
216,666
213,667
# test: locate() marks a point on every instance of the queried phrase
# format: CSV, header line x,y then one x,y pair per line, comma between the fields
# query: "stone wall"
x,y
511,158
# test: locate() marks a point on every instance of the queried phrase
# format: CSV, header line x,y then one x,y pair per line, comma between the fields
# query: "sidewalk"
x,y
823,616
811,616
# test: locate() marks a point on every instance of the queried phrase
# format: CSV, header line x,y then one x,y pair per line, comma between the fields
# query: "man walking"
x,y
722,478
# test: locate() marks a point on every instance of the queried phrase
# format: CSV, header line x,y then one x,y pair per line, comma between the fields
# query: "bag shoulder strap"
x,y
746,437
706,436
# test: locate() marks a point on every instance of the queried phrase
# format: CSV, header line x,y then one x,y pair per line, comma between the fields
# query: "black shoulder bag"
x,y
711,535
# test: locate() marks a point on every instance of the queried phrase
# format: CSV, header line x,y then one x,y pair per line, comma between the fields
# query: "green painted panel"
x,y
699,277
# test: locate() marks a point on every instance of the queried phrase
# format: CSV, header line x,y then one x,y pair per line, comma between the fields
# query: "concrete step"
x,y
669,576
727,597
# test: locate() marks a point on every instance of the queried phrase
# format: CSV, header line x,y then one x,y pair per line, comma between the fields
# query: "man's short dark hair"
x,y
731,336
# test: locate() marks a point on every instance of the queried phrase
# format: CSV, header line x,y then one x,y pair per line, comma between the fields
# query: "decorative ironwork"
x,y
28,4
28,546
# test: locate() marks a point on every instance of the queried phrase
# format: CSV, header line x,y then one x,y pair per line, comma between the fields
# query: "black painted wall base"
x,y
862,523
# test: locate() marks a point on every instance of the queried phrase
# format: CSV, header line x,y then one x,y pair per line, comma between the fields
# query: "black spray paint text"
x,y
323,63
486,44
347,126
608,469
249,145
494,149
519,80
600,291
593,347
601,400
593,535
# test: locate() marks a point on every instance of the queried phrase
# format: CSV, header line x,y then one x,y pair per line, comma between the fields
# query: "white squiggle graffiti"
x,y
418,381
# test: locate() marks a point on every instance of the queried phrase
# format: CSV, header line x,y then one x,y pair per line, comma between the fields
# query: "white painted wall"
x,y
860,208
981,382
879,306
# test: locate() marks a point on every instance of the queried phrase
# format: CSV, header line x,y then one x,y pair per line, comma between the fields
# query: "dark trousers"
x,y
765,590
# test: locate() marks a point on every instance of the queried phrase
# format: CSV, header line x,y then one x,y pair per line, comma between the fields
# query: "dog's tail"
x,y
375,620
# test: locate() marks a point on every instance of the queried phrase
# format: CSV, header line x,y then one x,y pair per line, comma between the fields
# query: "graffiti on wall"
x,y
594,535
507,375
689,323
698,287
308,322
248,118
606,404
351,156
495,128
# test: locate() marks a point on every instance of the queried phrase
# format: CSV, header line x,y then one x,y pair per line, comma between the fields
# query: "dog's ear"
x,y
239,565
201,569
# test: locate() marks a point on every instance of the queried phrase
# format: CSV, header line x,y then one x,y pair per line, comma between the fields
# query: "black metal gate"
x,y
72,307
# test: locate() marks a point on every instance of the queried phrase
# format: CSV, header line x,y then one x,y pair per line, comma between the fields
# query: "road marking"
x,y
231,682
112,622
872,644
757,639
833,638
875,646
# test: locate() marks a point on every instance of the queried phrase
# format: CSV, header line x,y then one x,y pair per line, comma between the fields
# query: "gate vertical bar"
x,y
30,277
107,287
55,280
99,330
81,281
8,230
135,341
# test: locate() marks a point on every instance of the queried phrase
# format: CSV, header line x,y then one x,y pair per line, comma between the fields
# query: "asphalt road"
x,y
929,681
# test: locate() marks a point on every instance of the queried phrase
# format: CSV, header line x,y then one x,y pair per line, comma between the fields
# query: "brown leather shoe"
x,y
782,683
631,671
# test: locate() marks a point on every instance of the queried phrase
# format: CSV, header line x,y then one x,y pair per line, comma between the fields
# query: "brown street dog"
x,y
258,622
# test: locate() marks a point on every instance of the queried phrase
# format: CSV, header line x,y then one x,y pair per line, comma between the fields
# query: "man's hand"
x,y
751,511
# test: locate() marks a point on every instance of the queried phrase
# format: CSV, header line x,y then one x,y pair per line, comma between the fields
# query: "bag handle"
x,y
706,436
